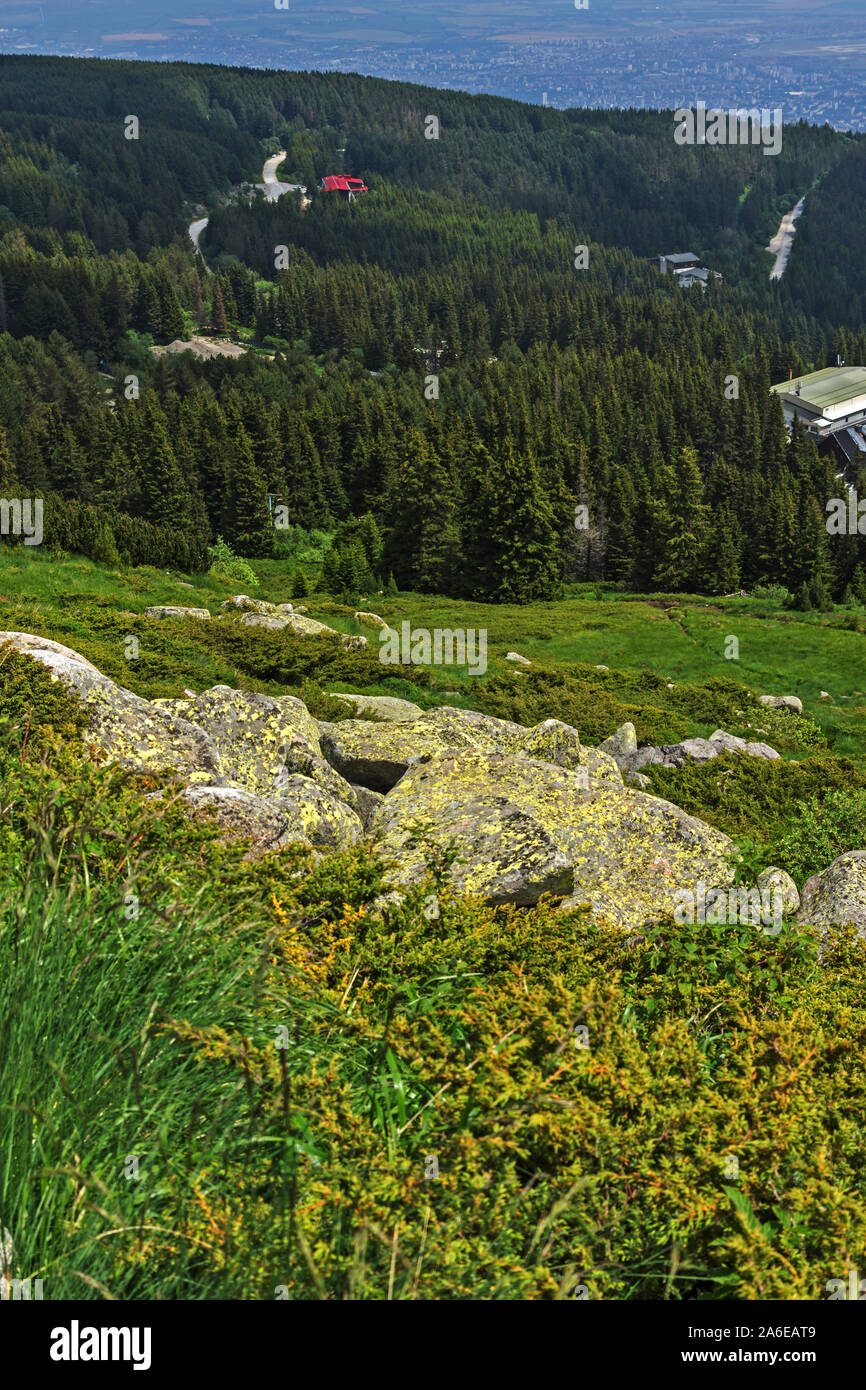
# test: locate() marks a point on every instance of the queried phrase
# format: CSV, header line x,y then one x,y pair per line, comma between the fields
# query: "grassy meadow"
x,y
228,1078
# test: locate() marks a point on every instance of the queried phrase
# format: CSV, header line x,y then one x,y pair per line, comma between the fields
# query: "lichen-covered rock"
x,y
129,730
777,881
371,620
386,707
308,627
167,611
553,742
243,815
367,804
318,817
837,895
377,755
791,703
353,643
303,813
461,728
516,657
272,621
622,745
558,743
242,603
525,827
261,740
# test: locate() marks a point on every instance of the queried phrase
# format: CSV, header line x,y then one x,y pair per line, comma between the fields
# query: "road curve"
x,y
270,186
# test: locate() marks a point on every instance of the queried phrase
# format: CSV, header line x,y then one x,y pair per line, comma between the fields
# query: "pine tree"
x,y
218,313
247,524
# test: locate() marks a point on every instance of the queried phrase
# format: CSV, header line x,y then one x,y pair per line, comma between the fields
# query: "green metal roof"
x,y
830,387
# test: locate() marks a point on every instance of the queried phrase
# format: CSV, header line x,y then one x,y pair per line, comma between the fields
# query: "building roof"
x,y
680,258
834,392
340,183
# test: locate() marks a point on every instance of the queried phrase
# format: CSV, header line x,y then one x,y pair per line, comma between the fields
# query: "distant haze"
x,y
808,56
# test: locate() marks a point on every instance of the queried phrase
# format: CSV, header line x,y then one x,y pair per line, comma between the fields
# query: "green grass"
x,y
147,970
679,639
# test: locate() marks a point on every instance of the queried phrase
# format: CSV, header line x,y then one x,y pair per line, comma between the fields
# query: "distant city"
x,y
809,61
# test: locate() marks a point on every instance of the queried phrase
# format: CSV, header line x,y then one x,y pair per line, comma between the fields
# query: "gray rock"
x,y
367,804
133,732
304,814
271,621
622,745
242,603
381,706
515,656
371,620
733,744
837,895
786,702
166,611
778,881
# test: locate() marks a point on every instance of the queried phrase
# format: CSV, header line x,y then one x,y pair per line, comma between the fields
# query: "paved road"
x,y
784,240
270,186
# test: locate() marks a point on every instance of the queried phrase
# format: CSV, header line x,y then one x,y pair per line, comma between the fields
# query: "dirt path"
x,y
781,244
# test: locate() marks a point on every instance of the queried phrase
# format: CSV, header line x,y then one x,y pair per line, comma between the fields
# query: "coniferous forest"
x,y
475,353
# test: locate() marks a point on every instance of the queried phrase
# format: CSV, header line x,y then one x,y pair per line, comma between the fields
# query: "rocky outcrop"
x,y
377,755
242,603
166,611
264,741
524,827
530,811
303,813
622,745
837,895
690,750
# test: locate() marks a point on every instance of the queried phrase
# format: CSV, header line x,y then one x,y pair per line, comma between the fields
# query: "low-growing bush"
x,y
821,829
752,797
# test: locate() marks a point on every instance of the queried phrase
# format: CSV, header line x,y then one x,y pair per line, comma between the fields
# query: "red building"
x,y
339,183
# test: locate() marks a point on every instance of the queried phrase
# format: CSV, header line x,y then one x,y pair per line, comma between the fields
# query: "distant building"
x,y
686,268
339,183
832,405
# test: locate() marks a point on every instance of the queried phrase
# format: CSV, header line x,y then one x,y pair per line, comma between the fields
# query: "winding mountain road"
x,y
270,186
